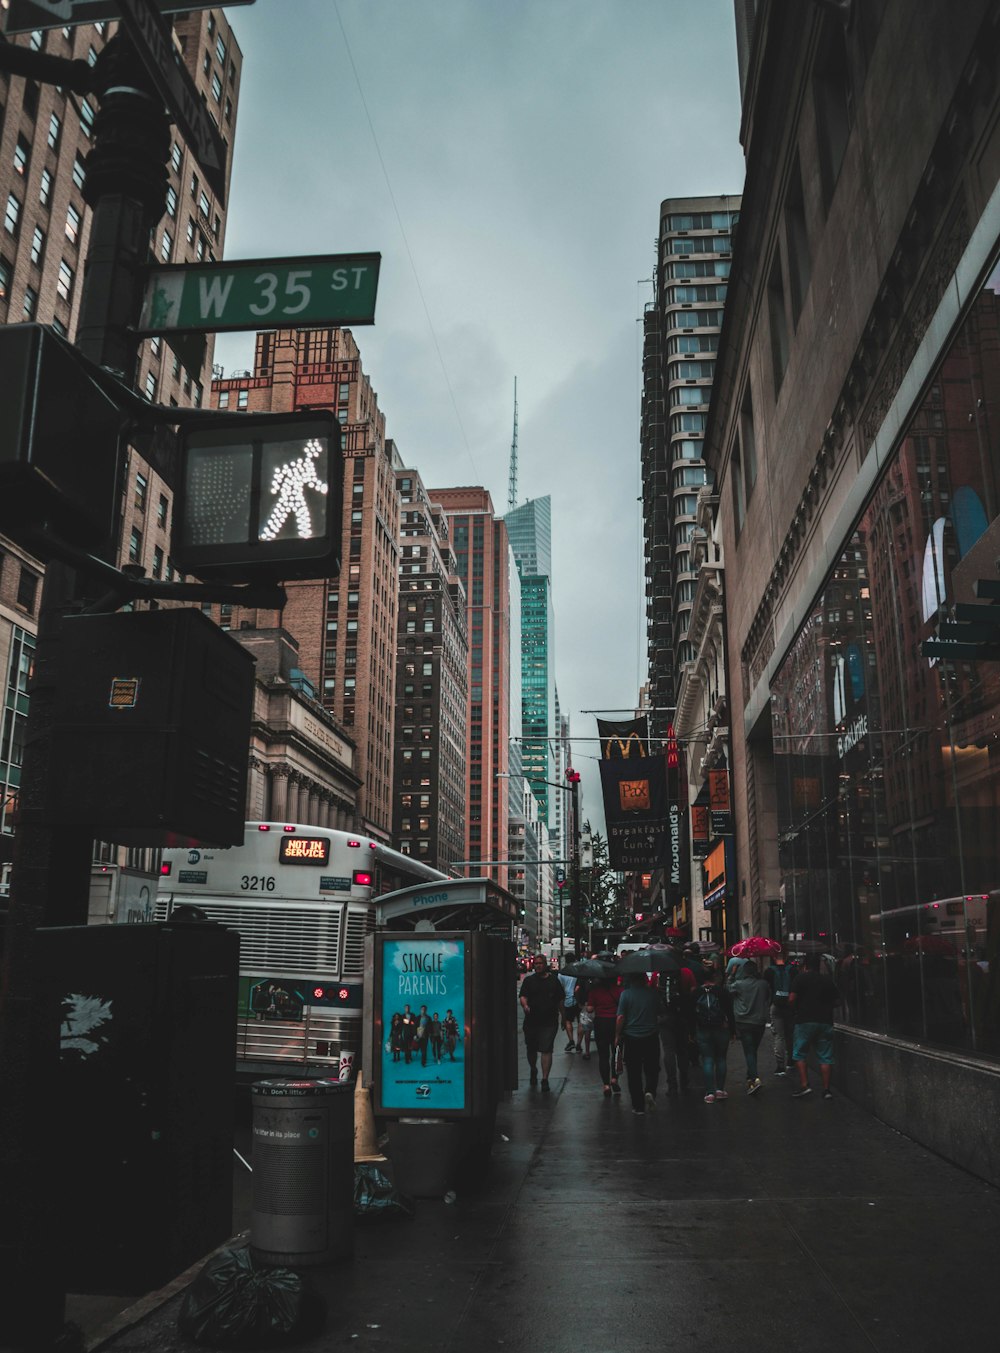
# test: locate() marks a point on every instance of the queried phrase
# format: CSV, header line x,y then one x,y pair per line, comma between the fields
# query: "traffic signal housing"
x,y
260,499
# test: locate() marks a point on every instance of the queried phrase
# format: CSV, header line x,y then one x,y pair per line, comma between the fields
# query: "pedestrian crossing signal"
x,y
260,498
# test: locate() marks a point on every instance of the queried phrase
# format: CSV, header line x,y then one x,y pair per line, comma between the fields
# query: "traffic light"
x,y
260,499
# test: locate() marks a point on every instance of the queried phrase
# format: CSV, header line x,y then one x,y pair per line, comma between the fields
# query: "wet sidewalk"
x,y
751,1224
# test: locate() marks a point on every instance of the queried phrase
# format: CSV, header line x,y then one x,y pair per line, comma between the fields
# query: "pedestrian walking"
x,y
676,991
571,1011
751,1010
636,1031
712,1029
602,1001
813,997
541,998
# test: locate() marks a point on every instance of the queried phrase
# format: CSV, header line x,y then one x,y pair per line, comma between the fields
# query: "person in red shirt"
x,y
602,1002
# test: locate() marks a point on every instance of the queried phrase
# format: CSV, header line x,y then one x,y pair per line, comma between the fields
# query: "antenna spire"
x,y
512,480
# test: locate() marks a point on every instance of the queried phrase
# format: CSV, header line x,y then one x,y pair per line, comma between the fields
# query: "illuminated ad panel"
x,y
423,1055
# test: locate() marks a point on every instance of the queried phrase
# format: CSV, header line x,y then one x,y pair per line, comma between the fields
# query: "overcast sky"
x,y
507,158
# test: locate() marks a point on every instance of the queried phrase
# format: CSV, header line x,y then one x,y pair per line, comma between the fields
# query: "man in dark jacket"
x,y
541,998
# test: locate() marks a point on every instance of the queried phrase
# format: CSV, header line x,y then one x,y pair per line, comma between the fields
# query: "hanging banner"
x,y
619,741
635,812
699,830
718,802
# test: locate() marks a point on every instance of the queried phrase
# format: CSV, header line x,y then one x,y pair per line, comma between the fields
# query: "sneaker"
x,y
650,1100
722,1094
607,1092
571,1047
545,1086
827,1094
709,1099
754,1086
639,1113
616,1089
801,1094
780,1071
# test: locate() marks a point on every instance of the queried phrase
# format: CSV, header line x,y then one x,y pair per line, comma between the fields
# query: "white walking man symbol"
x,y
289,483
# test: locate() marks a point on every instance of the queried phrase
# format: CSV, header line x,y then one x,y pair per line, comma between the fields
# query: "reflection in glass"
x,y
888,763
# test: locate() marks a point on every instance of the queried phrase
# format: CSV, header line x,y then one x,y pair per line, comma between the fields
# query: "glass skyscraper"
x,y
529,529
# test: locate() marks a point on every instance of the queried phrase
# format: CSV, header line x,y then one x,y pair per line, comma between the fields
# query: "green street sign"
x,y
260,293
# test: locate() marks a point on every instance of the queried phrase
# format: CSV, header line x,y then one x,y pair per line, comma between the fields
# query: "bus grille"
x,y
358,925
300,941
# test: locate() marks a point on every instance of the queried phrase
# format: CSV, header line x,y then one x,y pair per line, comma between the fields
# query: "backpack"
x,y
708,1009
782,979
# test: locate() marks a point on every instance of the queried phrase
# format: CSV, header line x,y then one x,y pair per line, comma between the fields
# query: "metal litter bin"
x,y
425,1154
303,1172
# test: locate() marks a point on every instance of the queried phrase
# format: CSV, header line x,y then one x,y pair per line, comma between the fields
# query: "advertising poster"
x,y
423,1052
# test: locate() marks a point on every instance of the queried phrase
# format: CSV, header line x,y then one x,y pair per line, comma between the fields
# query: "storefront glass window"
x,y
888,763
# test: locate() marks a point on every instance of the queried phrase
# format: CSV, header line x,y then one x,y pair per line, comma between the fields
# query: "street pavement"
x,y
753,1224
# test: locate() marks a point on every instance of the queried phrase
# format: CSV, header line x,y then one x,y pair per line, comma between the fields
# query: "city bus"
x,y
301,899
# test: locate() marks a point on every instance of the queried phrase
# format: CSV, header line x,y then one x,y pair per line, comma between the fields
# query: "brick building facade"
x,y
484,558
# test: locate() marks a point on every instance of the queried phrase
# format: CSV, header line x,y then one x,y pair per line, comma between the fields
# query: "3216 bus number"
x,y
258,883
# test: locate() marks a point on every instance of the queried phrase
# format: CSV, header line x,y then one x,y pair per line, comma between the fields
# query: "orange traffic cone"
x,y
365,1145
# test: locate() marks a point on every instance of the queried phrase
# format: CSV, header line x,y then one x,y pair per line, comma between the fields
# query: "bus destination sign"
x,y
304,850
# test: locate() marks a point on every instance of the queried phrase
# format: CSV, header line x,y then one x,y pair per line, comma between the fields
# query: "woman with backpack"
x,y
712,1031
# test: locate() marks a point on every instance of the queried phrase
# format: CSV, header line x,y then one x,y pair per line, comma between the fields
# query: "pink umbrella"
x,y
754,947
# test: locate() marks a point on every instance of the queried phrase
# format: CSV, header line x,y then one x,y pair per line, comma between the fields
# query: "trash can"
x,y
303,1172
425,1155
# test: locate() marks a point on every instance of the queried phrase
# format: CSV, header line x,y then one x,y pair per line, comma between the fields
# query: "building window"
x,y
64,282
72,224
157,561
30,302
79,172
87,115
37,246
150,384
216,88
45,188
6,273
161,513
55,127
171,201
22,154
778,323
12,215
141,492
833,99
27,589
135,546
175,156
220,51
166,246
242,398
223,399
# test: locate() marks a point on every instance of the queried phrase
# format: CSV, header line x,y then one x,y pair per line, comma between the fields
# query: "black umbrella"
x,y
590,967
649,960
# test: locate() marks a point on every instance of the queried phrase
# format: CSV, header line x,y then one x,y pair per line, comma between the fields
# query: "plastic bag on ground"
x,y
376,1196
237,1303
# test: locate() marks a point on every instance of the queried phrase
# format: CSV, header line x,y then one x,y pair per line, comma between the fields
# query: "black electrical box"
x,y
150,729
142,1092
59,443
